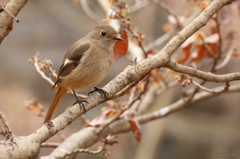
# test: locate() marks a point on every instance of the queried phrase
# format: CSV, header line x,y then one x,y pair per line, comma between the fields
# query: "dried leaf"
x,y
235,54
167,27
158,83
34,106
186,51
214,49
198,54
135,126
107,112
121,47
9,29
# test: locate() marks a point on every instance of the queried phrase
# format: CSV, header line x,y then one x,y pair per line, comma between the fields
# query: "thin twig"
x,y
126,89
8,131
35,62
50,144
226,60
39,71
181,104
170,85
209,49
219,45
62,137
130,103
102,148
3,8
141,46
111,120
144,91
224,89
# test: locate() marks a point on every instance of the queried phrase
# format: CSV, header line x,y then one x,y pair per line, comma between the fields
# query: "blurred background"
x,y
51,27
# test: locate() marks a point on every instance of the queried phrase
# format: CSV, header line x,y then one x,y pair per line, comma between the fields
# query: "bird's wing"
x,y
71,60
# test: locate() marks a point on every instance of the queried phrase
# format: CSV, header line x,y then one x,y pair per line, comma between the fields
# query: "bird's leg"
x,y
103,92
79,101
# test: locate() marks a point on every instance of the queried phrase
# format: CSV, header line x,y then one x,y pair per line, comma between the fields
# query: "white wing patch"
x,y
66,62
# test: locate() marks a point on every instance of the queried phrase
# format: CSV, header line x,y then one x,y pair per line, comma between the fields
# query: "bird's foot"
x,y
103,92
80,102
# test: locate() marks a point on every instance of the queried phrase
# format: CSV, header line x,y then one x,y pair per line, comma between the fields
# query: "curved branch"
x,y
210,90
208,76
14,7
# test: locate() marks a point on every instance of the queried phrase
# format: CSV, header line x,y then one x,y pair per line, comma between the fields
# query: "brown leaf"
x,y
107,112
200,49
121,47
34,106
186,52
9,29
135,126
214,49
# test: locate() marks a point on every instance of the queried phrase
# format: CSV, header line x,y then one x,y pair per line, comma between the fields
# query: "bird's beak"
x,y
117,38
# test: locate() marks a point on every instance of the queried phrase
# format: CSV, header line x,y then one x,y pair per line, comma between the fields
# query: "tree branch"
x,y
81,139
201,74
20,147
8,131
14,7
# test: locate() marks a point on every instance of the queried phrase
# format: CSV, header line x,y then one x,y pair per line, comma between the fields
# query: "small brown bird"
x,y
85,65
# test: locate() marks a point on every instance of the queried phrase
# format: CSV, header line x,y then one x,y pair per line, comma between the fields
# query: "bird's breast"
x,y
91,71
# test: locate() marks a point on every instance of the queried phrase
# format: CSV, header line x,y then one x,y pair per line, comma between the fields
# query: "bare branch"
x,y
8,131
62,137
201,74
181,104
35,62
226,60
212,90
14,7
80,139
133,72
50,144
3,8
111,120
101,149
126,89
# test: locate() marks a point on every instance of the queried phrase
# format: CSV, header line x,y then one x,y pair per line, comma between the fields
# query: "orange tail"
x,y
60,93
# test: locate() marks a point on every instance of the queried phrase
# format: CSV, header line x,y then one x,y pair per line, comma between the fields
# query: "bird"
x,y
85,64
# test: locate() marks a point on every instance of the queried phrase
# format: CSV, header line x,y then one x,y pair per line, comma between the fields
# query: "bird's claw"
x,y
101,91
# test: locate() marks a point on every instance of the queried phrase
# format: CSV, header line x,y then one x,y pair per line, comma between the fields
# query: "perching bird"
x,y
85,65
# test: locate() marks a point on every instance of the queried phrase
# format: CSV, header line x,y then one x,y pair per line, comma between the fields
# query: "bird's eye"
x,y
103,33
